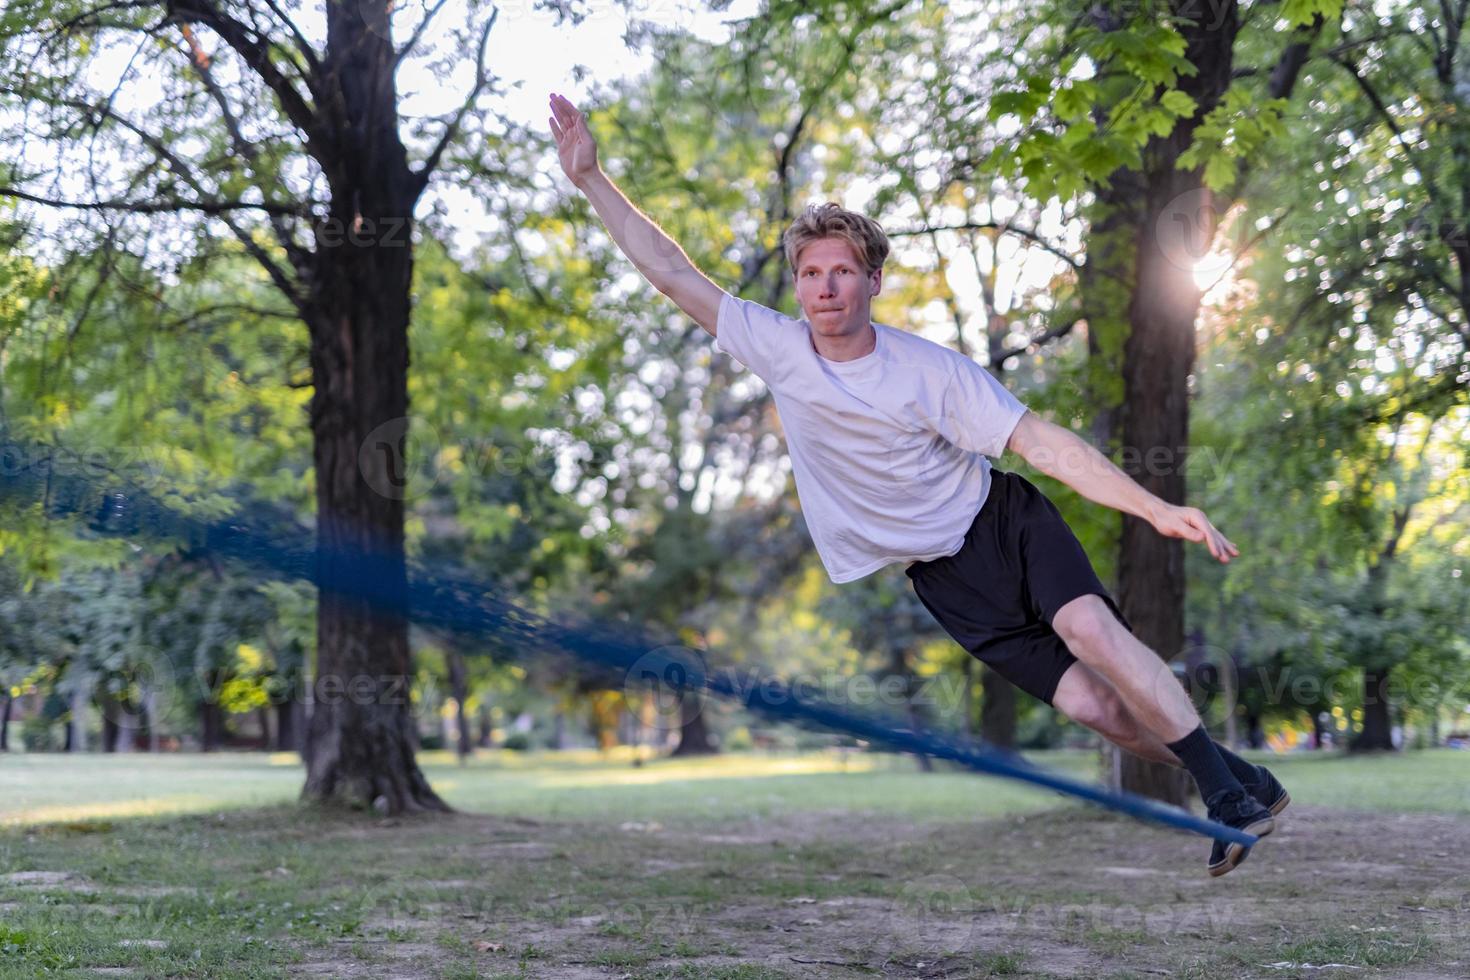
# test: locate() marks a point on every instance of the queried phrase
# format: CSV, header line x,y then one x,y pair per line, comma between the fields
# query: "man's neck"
x,y
849,347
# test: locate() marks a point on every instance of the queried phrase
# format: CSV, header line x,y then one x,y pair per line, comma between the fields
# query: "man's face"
x,y
833,290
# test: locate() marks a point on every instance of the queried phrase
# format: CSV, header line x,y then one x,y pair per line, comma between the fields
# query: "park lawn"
x,y
748,866
50,788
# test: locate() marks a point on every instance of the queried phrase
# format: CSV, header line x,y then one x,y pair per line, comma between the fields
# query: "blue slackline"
x,y
269,538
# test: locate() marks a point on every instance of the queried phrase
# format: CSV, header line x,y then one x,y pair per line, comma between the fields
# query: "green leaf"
x,y
1007,103
1069,183
1070,104
1158,122
1077,133
1301,12
1023,104
1181,104
1220,172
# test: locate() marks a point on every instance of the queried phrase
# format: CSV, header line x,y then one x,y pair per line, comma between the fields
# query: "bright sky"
x,y
533,56
528,47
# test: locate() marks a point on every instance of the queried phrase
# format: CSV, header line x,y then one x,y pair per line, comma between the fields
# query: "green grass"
x,y
205,866
582,785
1426,781
1356,948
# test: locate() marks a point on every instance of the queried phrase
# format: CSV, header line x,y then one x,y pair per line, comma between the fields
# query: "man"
x,y
888,435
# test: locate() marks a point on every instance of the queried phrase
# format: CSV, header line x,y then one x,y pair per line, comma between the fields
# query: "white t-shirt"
x,y
887,449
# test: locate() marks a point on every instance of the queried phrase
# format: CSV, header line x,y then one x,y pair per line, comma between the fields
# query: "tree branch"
x,y
1001,226
199,58
1040,340
159,206
418,33
81,19
482,77
1383,111
256,55
185,172
312,61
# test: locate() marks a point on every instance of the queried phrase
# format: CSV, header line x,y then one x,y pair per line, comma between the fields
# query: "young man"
x,y
888,435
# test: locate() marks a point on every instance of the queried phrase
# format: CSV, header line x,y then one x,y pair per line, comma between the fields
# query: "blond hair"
x,y
832,220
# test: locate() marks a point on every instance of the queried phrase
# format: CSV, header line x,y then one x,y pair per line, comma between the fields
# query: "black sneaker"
x,y
1238,809
1268,792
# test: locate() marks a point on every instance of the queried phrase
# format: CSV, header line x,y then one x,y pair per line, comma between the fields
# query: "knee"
x,y
1085,624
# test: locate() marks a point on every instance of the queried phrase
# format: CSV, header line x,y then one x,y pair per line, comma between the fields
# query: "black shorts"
x,y
1020,563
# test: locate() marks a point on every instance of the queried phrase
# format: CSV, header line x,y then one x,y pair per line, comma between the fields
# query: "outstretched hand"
x,y
1191,524
575,146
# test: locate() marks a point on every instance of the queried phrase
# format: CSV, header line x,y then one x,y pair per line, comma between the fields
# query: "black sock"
x,y
1205,763
1248,774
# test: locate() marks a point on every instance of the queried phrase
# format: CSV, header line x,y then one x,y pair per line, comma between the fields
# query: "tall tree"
x,y
1154,119
1362,334
280,127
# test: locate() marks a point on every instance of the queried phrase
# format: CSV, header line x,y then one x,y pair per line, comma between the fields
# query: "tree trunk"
x,y
459,687
77,730
603,710
967,698
109,729
486,728
998,711
1376,735
1318,731
1176,226
693,734
646,730
127,735
118,724
360,740
1256,734
899,666
211,726
1229,691
150,717
5,702
290,716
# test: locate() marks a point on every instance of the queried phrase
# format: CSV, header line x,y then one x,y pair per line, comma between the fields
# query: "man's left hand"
x,y
1191,524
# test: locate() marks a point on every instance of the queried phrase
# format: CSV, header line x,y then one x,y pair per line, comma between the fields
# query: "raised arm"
x,y
1063,454
660,259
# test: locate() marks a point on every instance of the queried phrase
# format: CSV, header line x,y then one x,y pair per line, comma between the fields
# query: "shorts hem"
x,y
1107,598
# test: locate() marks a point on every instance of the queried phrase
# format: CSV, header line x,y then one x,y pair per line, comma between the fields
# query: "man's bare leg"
x,y
1158,707
1090,700
1147,686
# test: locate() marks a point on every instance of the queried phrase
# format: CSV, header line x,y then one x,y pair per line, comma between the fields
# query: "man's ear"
x,y
877,282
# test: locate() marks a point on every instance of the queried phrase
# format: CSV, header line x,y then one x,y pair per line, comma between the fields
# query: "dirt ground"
x,y
1069,893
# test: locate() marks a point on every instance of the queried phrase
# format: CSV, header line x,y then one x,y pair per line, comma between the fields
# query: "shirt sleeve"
x,y
977,413
757,336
